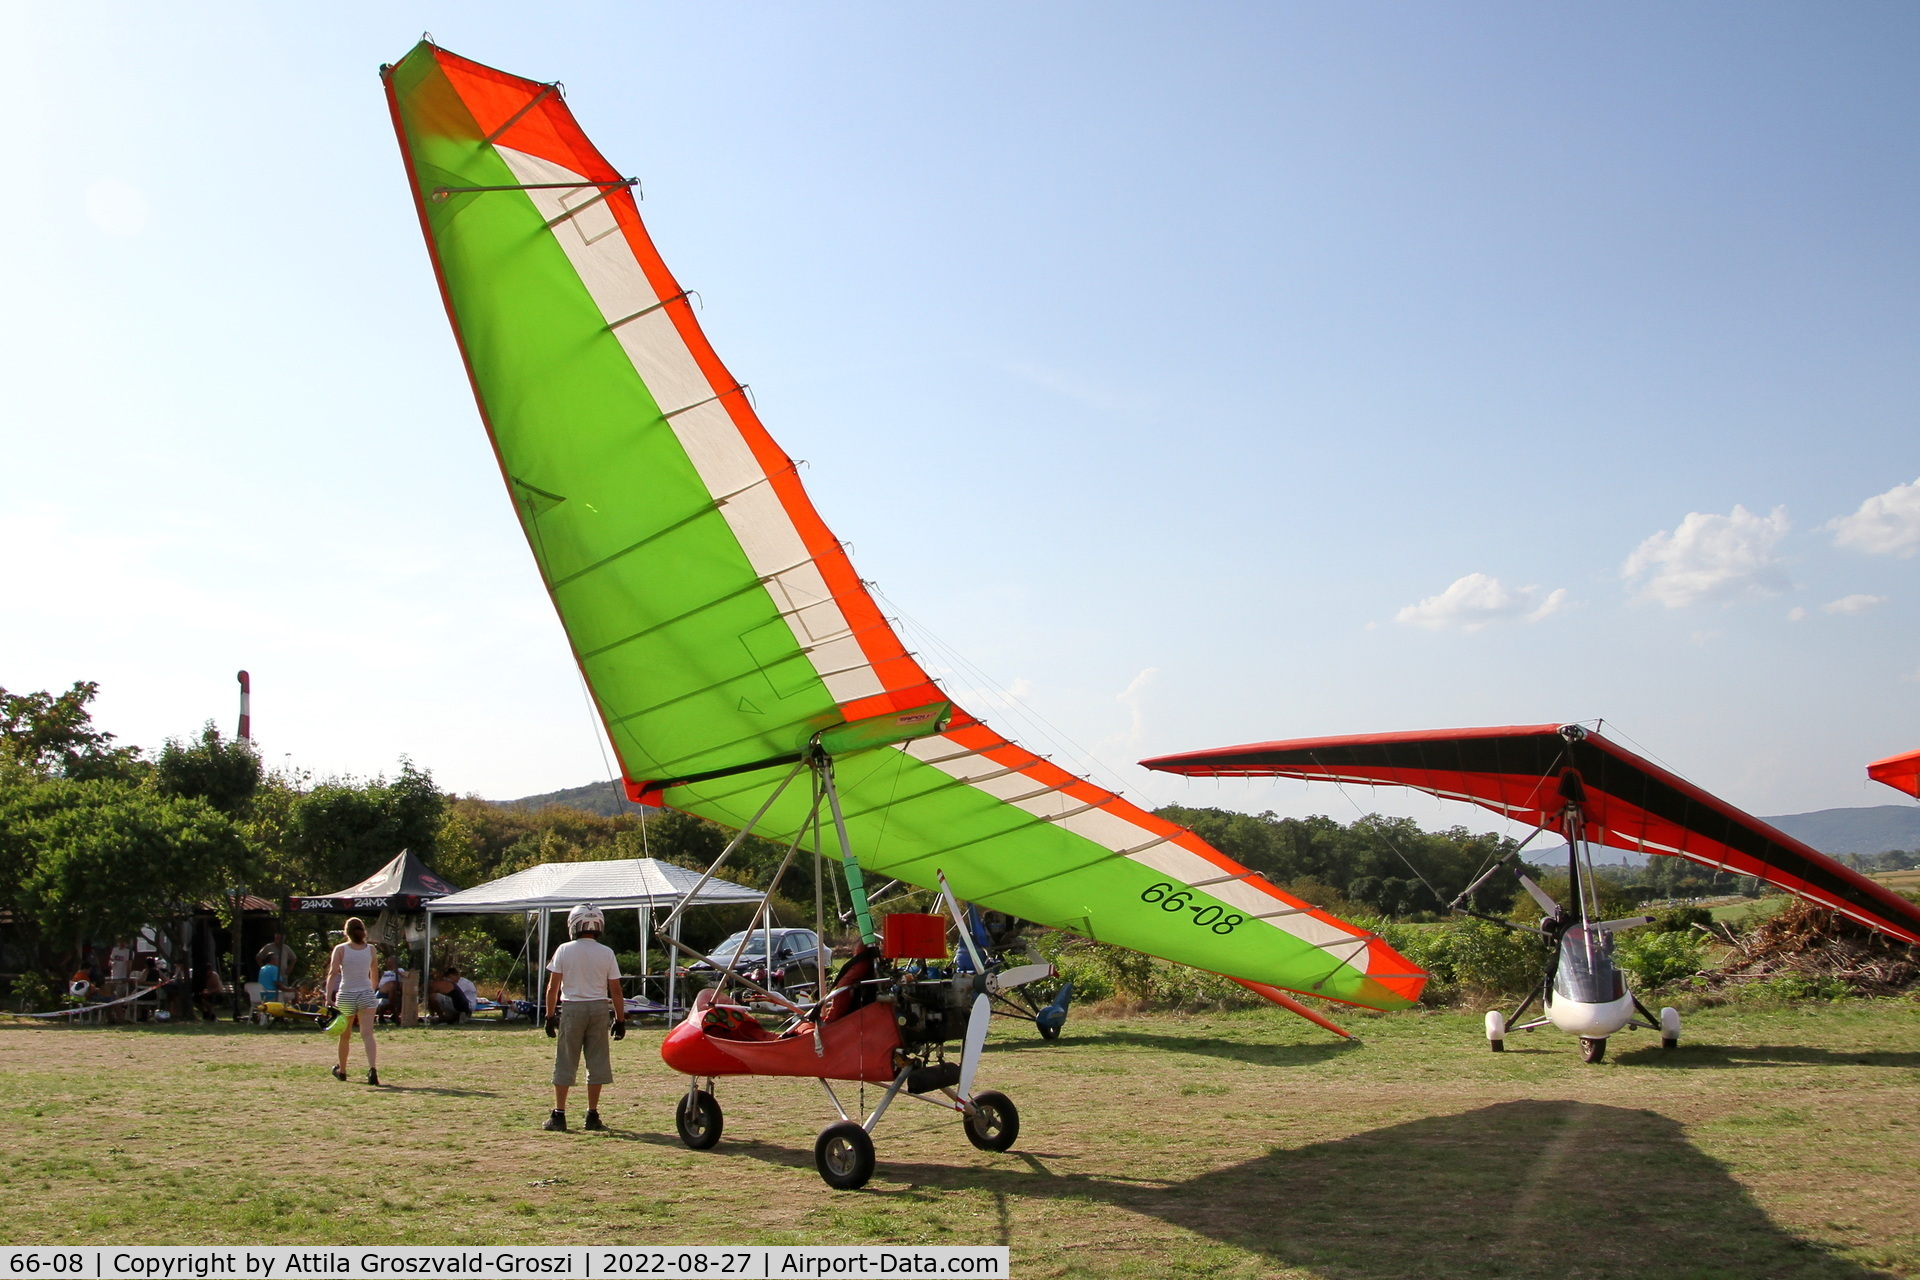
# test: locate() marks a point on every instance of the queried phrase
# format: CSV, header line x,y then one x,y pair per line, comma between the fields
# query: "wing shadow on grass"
x,y
1704,1057
1264,1055
1546,1189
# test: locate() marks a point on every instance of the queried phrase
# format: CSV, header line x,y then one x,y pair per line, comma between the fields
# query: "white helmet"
x,y
585,918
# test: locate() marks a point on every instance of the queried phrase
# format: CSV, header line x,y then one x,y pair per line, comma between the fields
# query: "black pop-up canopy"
x,y
405,884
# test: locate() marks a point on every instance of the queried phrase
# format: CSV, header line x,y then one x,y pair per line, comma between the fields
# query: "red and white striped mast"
x,y
246,708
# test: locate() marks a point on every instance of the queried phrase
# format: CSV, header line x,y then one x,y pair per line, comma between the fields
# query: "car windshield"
x,y
756,945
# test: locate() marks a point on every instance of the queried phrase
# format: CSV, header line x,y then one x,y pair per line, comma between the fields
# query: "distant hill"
x,y
608,799
1879,828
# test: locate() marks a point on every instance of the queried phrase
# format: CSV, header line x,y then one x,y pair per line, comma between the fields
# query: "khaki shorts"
x,y
584,1025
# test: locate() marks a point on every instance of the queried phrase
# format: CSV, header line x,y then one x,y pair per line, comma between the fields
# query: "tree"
x,y
1385,865
342,830
224,774
106,858
52,736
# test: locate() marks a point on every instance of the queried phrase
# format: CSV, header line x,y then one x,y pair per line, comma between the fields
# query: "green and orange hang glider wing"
x,y
718,622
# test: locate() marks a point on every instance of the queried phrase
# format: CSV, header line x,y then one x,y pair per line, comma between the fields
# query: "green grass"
x,y
1752,910
1777,1142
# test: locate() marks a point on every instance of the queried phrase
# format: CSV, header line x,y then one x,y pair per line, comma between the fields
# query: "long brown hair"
x,y
356,930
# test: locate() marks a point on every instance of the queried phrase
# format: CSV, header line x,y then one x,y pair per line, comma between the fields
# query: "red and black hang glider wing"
x,y
1522,772
1901,772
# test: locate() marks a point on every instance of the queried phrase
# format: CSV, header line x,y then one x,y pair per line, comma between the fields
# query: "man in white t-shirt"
x,y
584,1001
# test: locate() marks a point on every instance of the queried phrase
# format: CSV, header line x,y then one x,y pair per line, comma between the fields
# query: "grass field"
x,y
1782,1143
1750,909
1900,881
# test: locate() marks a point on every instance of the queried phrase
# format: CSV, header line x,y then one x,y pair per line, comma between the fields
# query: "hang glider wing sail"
x,y
1521,772
719,624
1901,772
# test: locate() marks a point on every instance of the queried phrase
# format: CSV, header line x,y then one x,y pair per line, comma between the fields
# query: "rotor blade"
x,y
1008,979
975,1042
1539,895
1628,922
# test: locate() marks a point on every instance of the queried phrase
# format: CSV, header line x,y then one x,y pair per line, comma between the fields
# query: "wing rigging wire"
x,y
1037,725
1339,783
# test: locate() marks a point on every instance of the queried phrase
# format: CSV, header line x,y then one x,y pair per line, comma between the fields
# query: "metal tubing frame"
x,y
850,866
765,909
673,917
873,1120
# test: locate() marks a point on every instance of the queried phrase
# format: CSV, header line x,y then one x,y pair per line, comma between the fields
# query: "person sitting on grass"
x,y
388,1009
211,990
449,1000
583,1000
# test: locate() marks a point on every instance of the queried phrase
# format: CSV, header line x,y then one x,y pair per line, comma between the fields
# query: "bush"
x,y
1654,959
33,993
1467,958
1681,919
1789,988
1100,972
493,967
1175,986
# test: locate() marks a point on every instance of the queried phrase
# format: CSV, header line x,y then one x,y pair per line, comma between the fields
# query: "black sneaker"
x,y
373,1077
339,1073
593,1121
556,1122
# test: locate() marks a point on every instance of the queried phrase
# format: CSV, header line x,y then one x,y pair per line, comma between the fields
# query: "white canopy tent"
x,y
645,884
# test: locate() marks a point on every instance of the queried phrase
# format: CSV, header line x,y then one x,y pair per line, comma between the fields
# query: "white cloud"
x,y
1886,524
1852,604
1711,558
1796,614
1557,601
1476,601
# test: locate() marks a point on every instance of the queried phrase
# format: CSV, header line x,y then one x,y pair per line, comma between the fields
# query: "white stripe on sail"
x,y
1112,832
619,287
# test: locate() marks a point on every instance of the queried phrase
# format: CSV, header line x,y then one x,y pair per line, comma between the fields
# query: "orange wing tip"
x,y
649,793
1291,1005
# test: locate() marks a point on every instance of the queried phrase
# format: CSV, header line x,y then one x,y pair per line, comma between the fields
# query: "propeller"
x,y
1019,976
1539,895
975,1042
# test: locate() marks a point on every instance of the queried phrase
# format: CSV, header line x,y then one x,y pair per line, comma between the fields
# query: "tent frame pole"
x,y
540,995
426,966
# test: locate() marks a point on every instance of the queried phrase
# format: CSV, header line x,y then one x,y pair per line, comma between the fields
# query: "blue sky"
x,y
1199,375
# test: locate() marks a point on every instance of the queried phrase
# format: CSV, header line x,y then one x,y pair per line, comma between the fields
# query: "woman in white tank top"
x,y
352,987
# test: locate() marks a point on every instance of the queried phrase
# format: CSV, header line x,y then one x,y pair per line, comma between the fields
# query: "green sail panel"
x,y
719,624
